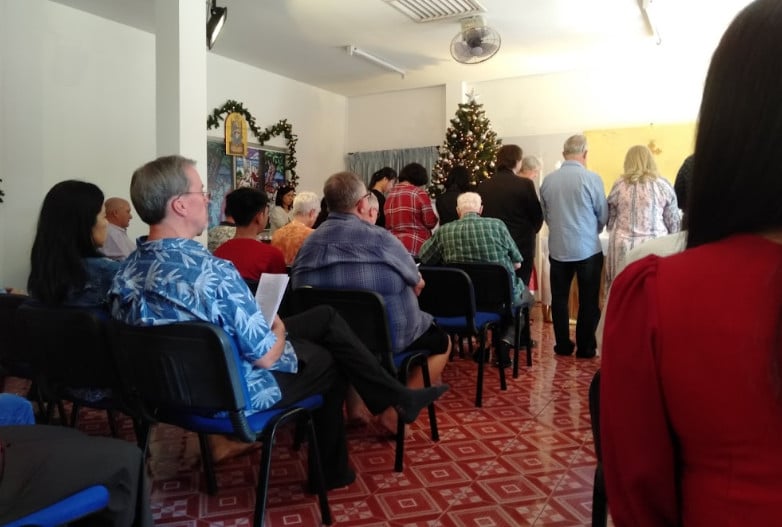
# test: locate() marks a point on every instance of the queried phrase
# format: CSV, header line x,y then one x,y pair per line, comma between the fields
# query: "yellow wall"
x,y
670,143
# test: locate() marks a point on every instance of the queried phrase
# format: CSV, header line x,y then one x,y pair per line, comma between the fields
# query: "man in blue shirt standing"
x,y
575,209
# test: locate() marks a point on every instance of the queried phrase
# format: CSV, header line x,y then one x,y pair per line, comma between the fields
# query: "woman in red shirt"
x,y
408,209
691,383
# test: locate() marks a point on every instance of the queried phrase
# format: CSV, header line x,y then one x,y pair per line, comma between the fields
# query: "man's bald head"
x,y
118,212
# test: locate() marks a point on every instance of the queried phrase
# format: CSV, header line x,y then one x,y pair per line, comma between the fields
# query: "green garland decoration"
x,y
283,127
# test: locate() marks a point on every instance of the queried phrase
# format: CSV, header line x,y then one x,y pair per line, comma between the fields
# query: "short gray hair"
x,y
155,183
531,163
575,144
342,191
468,202
373,202
304,203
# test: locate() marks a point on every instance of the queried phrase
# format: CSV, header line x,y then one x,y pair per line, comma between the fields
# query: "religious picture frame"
x,y
235,135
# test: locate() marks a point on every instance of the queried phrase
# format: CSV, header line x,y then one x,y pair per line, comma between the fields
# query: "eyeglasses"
x,y
205,193
365,196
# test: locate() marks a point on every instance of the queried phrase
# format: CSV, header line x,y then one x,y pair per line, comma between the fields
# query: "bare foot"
x,y
388,420
225,448
358,413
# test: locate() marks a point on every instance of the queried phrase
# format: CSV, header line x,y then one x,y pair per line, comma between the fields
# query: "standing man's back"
x,y
575,209
512,199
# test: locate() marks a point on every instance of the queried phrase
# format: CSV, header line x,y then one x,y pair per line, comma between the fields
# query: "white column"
x,y
180,53
180,66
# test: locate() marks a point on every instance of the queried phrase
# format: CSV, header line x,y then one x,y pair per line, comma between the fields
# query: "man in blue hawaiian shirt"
x,y
173,278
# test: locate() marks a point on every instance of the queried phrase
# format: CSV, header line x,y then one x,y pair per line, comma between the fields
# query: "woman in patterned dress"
x,y
641,206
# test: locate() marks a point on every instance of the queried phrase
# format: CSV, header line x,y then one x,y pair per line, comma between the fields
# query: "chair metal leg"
x,y
503,382
323,498
399,455
599,500
112,417
74,420
209,466
479,382
263,478
432,415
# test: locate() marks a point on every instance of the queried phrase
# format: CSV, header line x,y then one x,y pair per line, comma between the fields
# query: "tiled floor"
x,y
525,458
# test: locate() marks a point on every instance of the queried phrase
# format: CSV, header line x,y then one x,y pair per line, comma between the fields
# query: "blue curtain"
x,y
367,163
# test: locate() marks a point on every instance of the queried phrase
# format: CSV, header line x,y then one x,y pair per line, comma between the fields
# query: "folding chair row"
x,y
468,299
185,374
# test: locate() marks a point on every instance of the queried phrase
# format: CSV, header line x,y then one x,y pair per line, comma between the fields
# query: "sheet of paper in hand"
x,y
268,296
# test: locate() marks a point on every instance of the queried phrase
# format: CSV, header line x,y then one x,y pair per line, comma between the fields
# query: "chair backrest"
x,y
69,346
363,310
594,411
12,351
493,286
251,284
448,293
184,366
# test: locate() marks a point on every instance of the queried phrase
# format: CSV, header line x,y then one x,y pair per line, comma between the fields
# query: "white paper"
x,y
268,296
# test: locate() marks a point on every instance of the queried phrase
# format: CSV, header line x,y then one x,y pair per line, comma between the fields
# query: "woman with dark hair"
x,y
66,266
691,387
280,213
408,209
381,184
457,183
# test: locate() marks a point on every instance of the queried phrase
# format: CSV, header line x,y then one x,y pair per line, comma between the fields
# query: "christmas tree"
x,y
469,142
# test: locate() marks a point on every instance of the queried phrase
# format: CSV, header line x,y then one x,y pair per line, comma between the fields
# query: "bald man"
x,y
118,246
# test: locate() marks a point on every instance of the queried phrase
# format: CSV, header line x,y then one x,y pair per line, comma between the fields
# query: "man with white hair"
x,y
118,245
304,212
575,209
472,238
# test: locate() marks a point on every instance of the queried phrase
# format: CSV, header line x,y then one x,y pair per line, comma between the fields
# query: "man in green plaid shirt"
x,y
473,239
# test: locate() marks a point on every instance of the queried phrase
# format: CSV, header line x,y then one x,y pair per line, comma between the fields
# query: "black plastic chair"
x,y
69,509
187,374
70,352
599,497
365,312
14,358
493,285
450,298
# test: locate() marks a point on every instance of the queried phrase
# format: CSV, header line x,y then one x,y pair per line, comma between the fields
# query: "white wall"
x,y
77,100
318,117
653,86
399,119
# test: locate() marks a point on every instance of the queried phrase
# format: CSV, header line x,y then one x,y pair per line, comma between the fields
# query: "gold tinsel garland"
x,y
281,128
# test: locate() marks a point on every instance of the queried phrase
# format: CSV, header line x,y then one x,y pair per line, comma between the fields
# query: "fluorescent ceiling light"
x,y
353,50
217,18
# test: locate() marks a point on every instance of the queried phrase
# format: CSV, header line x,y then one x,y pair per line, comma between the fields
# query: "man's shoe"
x,y
417,400
588,354
503,356
334,483
564,350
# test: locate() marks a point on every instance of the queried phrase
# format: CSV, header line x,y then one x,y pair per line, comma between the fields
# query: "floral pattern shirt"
x,y
176,279
638,212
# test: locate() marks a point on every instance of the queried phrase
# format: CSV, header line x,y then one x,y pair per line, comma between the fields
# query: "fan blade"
x,y
461,51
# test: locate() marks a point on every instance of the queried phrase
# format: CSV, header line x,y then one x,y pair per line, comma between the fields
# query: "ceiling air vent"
x,y
431,10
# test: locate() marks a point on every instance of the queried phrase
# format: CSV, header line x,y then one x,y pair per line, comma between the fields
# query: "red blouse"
x,y
691,406
410,216
251,257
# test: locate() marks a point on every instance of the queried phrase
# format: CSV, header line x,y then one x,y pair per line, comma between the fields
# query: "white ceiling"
x,y
306,39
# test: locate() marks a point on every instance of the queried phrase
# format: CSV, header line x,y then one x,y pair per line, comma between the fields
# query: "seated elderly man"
x,y
118,245
171,277
289,238
252,258
347,252
472,238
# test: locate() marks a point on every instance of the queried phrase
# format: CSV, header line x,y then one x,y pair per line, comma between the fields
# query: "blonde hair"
x,y
639,165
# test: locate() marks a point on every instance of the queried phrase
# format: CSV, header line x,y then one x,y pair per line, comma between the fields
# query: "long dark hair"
x,y
62,239
384,173
737,180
